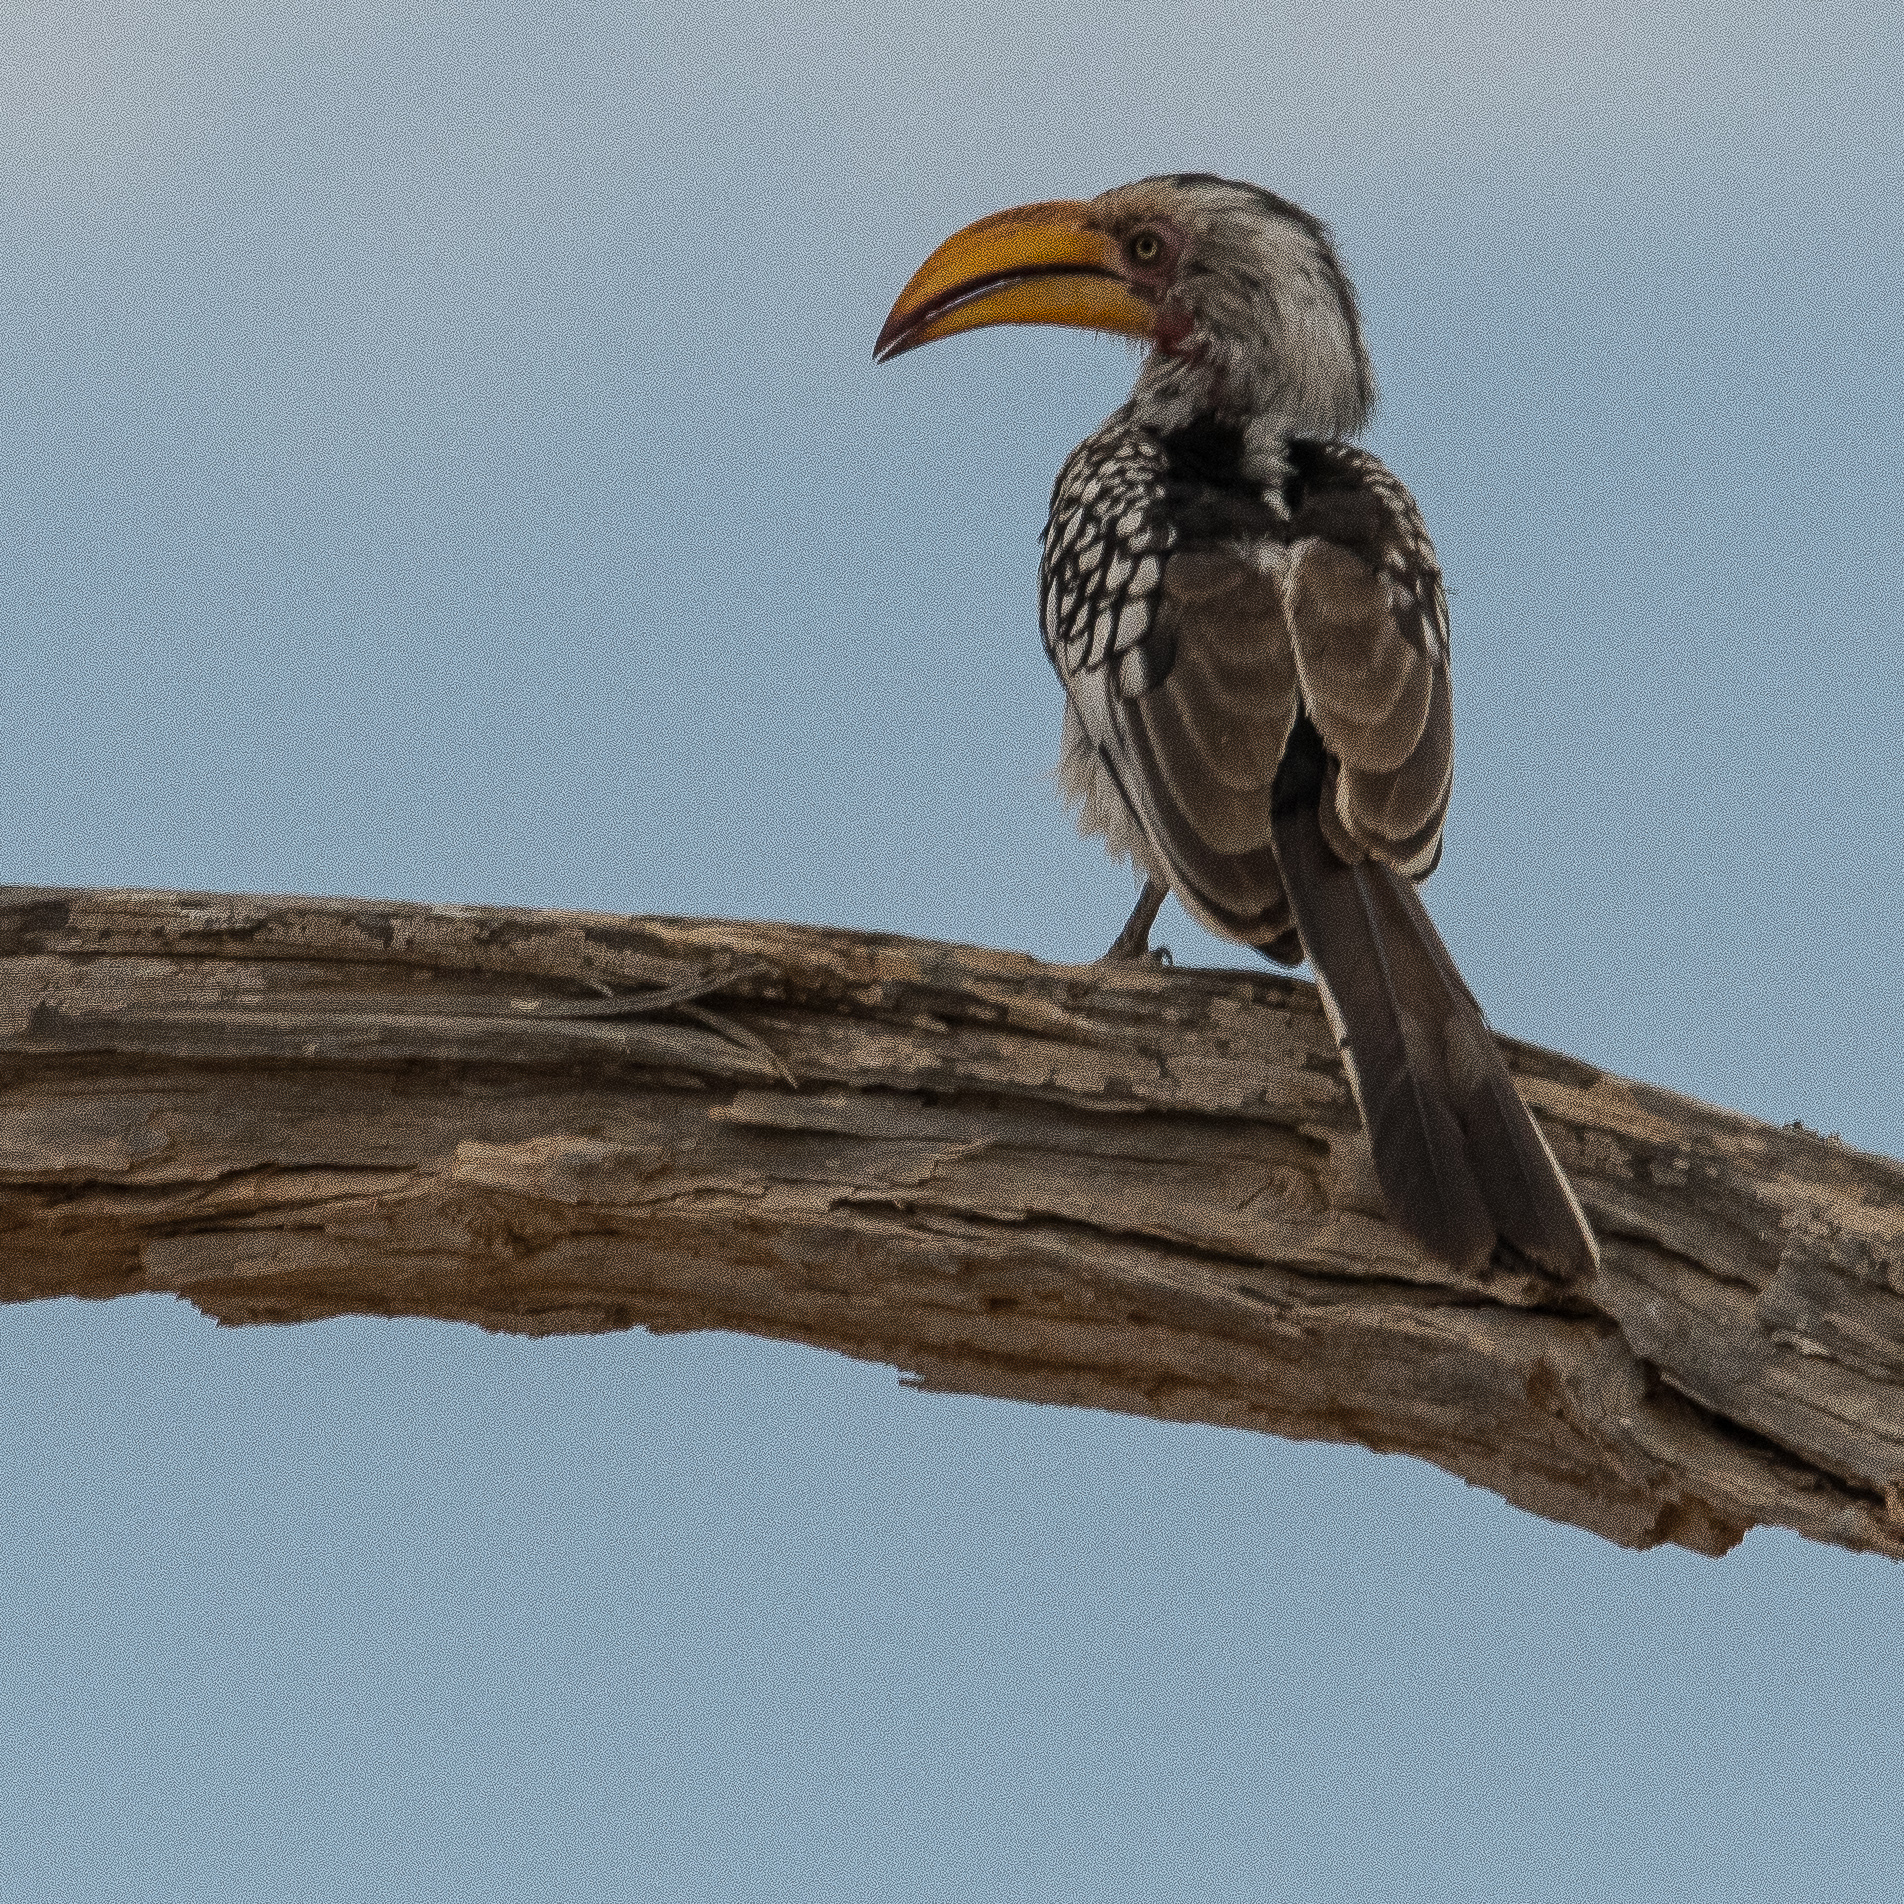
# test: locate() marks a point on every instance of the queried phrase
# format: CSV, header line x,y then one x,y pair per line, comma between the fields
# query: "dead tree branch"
x,y
1115,1188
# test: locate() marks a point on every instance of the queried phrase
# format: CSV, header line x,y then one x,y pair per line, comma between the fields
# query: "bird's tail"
x,y
1459,1159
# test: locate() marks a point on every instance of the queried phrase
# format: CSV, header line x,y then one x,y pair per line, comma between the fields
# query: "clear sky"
x,y
442,461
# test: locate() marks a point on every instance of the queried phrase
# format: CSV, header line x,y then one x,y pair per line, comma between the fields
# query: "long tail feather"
x,y
1459,1159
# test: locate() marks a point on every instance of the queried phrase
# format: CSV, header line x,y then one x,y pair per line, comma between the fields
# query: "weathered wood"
x,y
1112,1187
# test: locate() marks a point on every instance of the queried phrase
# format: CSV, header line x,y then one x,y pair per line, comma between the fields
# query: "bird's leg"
x,y
1134,941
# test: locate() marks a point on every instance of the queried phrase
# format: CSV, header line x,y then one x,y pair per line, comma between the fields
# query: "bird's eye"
x,y
1146,248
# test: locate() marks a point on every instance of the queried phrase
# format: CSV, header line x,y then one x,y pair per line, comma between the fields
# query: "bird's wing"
x,y
1172,647
1368,619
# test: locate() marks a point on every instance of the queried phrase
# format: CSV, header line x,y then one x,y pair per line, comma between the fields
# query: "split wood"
x,y
1112,1187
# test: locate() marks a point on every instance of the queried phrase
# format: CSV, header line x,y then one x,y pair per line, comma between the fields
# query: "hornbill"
x,y
1250,625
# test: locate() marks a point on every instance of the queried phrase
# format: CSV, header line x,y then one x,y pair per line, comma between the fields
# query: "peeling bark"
x,y
1113,1187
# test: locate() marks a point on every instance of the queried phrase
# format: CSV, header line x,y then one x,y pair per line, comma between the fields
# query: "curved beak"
x,y
1038,264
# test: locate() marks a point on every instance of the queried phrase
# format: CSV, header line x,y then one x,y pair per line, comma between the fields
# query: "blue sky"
x,y
445,462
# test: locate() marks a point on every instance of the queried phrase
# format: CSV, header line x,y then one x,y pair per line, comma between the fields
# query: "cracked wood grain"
x,y
1116,1188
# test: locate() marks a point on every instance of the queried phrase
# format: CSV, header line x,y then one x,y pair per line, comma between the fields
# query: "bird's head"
x,y
1239,294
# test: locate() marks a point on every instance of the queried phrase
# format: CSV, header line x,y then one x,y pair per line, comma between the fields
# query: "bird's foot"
x,y
1132,945
1138,954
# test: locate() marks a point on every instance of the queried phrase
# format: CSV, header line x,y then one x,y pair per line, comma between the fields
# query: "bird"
x,y
1251,628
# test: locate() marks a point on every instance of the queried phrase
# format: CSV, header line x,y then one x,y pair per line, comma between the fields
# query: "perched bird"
x,y
1250,625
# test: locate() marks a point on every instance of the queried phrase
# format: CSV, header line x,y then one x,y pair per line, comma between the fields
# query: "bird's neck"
x,y
1263,391
1229,449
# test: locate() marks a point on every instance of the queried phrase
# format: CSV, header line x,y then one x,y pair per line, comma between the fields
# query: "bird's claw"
x,y
1138,953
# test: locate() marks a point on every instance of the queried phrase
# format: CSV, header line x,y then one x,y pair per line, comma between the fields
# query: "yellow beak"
x,y
1039,264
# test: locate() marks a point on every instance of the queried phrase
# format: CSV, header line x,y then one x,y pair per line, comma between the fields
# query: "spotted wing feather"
x,y
1177,664
1368,616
